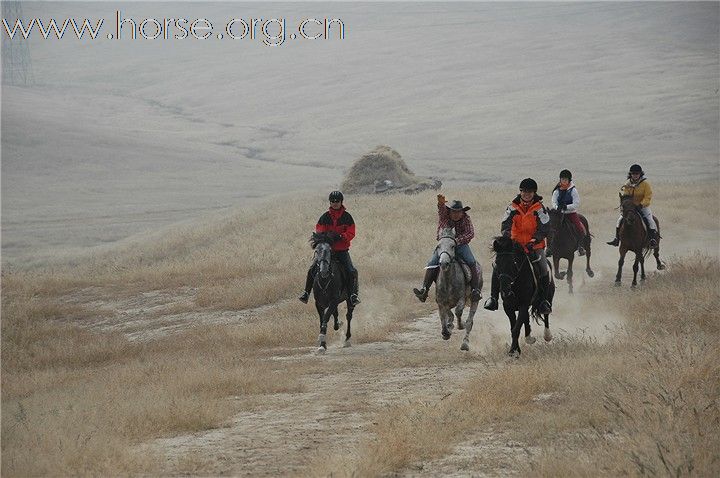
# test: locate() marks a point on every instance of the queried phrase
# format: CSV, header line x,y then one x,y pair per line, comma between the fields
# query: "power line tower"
x,y
16,67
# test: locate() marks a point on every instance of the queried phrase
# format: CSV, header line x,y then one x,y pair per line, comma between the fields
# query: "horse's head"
x,y
561,229
446,247
509,257
322,243
629,209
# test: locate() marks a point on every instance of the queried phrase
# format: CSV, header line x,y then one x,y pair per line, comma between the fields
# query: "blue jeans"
x,y
462,251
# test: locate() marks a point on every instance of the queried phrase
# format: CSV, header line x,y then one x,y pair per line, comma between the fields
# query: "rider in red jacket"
x,y
336,219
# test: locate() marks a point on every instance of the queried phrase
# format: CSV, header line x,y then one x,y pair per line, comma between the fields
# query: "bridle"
x,y
518,268
327,260
452,258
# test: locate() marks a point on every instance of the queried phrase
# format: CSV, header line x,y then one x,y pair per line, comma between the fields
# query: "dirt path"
x,y
337,410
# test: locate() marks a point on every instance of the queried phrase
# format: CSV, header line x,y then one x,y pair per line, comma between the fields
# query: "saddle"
x,y
466,270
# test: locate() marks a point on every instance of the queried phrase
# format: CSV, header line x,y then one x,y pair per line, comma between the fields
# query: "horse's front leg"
x,y
623,251
635,268
522,318
458,314
588,269
329,310
556,265
468,326
570,273
642,267
446,317
348,318
547,335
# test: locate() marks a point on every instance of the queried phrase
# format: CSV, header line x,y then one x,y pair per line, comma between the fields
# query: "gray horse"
x,y
452,290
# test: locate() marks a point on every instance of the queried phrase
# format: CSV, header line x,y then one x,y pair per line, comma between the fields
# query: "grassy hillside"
x,y
79,399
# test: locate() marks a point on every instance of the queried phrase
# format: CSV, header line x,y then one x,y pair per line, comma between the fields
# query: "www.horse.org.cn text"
x,y
271,32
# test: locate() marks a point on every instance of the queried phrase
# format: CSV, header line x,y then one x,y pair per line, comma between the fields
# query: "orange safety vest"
x,y
524,224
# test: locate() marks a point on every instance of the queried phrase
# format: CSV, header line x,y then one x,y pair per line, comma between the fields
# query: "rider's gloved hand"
x,y
441,199
562,207
529,246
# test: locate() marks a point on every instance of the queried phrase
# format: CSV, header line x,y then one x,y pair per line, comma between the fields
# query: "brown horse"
x,y
634,237
563,241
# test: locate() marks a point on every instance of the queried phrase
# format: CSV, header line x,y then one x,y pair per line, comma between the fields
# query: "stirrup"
x,y
354,299
491,304
304,297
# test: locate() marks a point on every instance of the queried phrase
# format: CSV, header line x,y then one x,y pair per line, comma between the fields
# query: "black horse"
x,y
563,241
517,290
330,287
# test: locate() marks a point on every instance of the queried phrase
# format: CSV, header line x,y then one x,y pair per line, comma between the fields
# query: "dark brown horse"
x,y
634,238
563,241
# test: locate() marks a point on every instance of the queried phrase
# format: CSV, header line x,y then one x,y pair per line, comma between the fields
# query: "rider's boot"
x,y
543,283
492,302
475,284
430,275
308,285
652,236
354,299
615,242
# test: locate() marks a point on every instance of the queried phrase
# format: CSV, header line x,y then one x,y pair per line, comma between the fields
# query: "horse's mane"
x,y
501,243
319,237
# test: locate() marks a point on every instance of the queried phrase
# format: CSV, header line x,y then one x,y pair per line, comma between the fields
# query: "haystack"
x,y
381,171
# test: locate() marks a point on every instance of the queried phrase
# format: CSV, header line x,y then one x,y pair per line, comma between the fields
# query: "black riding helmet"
x,y
566,174
528,184
336,196
635,168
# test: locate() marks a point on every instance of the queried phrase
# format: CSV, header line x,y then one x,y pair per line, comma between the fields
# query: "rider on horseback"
x,y
454,215
526,222
638,188
566,199
337,220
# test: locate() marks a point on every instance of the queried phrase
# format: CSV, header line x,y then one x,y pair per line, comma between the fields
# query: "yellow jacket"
x,y
641,192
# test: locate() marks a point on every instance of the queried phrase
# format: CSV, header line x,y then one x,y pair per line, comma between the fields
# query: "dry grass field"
x,y
184,351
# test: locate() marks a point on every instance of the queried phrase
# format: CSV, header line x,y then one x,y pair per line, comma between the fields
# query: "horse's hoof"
x,y
514,354
661,267
547,335
530,339
465,346
347,344
590,273
321,350
446,335
321,339
642,278
633,285
336,326
618,283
